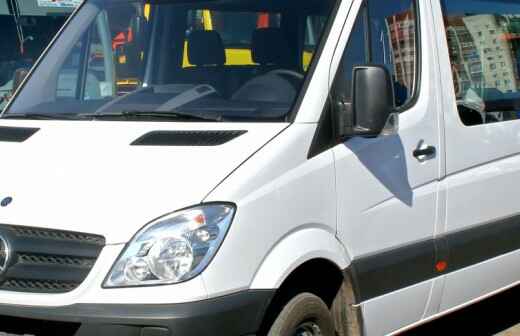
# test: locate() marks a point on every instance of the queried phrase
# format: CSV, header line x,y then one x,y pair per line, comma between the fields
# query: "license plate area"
x,y
14,326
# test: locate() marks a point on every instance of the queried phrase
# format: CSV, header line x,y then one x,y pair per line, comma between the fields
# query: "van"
x,y
373,192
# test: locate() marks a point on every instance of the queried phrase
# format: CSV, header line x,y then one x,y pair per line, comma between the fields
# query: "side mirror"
x,y
373,103
18,78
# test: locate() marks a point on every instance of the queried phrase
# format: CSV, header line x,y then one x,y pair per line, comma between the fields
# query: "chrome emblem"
x,y
4,255
6,201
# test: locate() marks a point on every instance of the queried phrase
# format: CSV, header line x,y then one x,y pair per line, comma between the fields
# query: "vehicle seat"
x,y
207,55
271,50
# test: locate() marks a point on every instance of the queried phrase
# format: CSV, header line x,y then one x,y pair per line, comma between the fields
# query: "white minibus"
x,y
362,182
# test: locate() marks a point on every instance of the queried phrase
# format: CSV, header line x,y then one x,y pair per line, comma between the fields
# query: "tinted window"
x,y
484,47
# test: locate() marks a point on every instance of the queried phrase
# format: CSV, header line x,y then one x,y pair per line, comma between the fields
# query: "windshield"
x,y
27,27
219,60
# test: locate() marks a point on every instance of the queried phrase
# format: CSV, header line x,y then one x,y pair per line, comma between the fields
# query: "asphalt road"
x,y
498,315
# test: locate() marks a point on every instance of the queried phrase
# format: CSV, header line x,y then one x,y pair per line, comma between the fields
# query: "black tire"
x,y
303,311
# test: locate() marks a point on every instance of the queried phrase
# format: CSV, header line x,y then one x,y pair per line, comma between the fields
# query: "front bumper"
x,y
233,315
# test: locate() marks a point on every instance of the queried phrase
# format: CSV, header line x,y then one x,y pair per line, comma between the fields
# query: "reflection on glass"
x,y
485,62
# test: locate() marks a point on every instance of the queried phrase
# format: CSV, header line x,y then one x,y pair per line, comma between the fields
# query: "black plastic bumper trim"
x,y
237,314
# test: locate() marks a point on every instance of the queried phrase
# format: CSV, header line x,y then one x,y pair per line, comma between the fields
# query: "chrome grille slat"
x,y
62,235
38,286
36,259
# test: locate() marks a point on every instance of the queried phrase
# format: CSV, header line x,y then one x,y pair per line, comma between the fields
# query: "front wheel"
x,y
305,315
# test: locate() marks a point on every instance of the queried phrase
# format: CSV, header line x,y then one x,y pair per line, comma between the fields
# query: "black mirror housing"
x,y
373,103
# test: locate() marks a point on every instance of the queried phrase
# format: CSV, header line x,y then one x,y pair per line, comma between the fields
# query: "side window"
x,y
393,41
386,33
355,54
484,47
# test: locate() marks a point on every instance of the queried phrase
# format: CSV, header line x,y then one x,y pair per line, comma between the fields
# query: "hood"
x,y
86,176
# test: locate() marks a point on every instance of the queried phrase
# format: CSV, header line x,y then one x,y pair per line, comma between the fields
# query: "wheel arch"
x,y
311,260
296,249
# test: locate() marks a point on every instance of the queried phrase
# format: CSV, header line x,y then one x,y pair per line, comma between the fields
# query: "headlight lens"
x,y
174,248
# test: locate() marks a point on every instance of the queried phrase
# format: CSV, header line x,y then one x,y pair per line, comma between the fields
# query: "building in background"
x,y
401,28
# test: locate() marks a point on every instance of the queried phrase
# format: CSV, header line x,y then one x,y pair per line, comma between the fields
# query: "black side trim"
x,y
16,134
236,314
485,242
391,270
187,138
385,272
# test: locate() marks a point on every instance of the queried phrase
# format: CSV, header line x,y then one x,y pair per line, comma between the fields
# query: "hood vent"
x,y
187,138
16,134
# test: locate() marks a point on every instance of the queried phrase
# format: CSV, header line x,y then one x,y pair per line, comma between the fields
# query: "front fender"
x,y
295,249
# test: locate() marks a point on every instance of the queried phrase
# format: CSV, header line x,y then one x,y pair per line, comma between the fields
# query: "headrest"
x,y
270,47
206,48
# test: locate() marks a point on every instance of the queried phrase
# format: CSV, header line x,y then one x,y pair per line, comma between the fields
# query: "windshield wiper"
x,y
153,115
40,116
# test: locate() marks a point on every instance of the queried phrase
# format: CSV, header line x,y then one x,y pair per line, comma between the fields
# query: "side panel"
x,y
282,198
483,167
383,315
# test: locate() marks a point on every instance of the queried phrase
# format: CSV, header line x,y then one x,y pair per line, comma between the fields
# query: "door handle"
x,y
421,153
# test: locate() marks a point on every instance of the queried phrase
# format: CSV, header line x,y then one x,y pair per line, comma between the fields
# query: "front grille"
x,y
47,261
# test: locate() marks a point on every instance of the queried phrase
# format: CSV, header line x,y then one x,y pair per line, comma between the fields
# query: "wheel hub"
x,y
308,329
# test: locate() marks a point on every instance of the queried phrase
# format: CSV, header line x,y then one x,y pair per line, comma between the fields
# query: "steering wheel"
x,y
286,72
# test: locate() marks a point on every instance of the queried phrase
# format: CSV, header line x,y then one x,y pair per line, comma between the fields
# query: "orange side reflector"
x,y
441,266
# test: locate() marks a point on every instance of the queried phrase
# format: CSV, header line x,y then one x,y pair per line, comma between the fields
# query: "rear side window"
x,y
484,47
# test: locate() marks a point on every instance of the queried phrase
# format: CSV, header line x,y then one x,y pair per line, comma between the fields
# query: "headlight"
x,y
174,248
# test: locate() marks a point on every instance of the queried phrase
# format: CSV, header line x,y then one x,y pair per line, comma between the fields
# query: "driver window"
x,y
385,33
